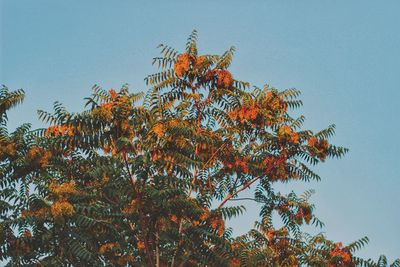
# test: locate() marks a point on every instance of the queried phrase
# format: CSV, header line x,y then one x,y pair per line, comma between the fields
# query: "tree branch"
x,y
245,186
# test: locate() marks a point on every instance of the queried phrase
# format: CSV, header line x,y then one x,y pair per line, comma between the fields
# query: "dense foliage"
x,y
149,179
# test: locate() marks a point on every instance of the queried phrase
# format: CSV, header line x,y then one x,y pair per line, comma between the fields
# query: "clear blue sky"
x,y
344,56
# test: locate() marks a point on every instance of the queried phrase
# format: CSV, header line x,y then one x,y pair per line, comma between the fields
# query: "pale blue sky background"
x,y
344,56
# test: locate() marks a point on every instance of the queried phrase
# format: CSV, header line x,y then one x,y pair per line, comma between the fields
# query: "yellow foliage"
x,y
64,189
103,113
62,208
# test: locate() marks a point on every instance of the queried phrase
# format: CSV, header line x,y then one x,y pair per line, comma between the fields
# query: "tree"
x,y
130,183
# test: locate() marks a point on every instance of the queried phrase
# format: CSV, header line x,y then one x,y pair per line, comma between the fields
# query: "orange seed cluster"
x,y
184,61
159,129
39,213
59,130
113,94
224,79
108,247
64,189
275,167
7,149
239,164
62,208
199,61
219,224
318,147
105,110
38,156
182,64
287,134
303,213
174,218
140,245
245,113
275,103
235,262
339,256
131,208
